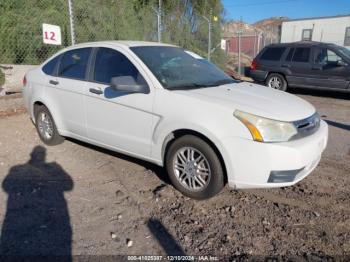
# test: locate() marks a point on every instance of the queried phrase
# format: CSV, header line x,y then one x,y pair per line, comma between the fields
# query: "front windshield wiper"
x,y
186,86
201,85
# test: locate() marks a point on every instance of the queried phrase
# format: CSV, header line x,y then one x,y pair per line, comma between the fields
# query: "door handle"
x,y
286,66
316,68
96,91
53,82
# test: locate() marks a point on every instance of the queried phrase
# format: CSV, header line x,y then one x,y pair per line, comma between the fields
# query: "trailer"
x,y
334,29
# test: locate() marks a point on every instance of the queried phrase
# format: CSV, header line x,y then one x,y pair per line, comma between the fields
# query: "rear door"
x,y
68,90
330,70
298,64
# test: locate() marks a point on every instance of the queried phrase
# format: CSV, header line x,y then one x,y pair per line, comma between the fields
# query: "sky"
x,y
254,10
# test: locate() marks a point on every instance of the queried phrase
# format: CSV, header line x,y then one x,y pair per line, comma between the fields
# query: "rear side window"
x,y
74,63
273,54
290,55
49,67
301,54
111,63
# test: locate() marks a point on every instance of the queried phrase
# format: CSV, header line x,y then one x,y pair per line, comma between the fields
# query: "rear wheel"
x,y
46,127
194,167
276,81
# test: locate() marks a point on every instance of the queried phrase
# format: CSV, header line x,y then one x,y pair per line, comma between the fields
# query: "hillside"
x,y
268,26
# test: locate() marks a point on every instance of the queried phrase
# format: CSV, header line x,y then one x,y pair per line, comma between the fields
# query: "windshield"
x,y
177,69
344,51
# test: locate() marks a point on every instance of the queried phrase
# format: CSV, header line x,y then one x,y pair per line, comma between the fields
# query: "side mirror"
x,y
341,63
128,84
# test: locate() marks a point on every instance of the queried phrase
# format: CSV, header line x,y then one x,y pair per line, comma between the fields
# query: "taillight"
x,y
254,65
24,81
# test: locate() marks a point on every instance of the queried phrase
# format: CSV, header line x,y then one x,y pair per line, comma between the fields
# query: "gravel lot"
x,y
78,199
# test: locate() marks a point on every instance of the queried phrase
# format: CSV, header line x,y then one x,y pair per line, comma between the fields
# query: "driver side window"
x,y
110,63
326,56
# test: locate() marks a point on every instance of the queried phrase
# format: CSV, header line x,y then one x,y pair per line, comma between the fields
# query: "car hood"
x,y
255,99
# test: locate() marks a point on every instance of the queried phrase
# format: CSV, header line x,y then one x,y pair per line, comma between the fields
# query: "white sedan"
x,y
162,104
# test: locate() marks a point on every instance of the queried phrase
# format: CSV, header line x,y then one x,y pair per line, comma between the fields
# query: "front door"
x,y
118,119
329,69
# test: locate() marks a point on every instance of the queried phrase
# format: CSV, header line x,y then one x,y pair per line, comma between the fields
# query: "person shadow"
x,y
37,220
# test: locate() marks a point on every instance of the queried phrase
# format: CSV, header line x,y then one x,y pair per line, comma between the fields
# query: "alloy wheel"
x,y
275,82
45,125
191,168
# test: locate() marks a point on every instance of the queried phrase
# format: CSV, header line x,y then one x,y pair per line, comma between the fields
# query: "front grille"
x,y
307,126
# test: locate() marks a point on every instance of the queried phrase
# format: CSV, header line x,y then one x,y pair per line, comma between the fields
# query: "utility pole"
x,y
71,20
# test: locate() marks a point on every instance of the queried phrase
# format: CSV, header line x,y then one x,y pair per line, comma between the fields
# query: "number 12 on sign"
x,y
51,34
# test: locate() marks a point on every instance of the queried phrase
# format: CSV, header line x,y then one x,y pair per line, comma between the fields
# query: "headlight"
x,y
266,130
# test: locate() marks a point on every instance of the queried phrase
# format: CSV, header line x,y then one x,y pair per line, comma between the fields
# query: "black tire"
x,y
55,138
215,182
283,82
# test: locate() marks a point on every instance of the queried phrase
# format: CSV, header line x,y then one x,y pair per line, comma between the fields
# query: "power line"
x,y
261,3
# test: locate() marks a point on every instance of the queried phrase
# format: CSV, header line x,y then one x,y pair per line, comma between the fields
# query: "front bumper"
x,y
253,164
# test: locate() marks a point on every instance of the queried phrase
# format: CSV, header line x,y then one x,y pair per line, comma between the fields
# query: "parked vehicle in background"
x,y
163,104
303,64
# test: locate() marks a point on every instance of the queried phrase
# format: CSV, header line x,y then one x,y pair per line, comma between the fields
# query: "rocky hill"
x,y
270,26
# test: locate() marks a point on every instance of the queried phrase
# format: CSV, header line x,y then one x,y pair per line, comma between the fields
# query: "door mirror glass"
x,y
341,63
128,84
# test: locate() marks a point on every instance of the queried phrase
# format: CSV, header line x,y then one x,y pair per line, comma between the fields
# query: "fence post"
x,y
254,52
159,14
239,45
209,33
71,21
239,52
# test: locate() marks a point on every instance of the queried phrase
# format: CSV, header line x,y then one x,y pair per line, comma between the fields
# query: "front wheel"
x,y
194,168
277,81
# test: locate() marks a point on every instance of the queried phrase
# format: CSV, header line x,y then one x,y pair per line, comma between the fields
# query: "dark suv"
x,y
303,64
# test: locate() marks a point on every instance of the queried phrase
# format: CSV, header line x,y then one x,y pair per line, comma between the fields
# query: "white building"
x,y
335,29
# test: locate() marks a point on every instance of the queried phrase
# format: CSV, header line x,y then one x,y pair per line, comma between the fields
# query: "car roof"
x,y
301,43
118,43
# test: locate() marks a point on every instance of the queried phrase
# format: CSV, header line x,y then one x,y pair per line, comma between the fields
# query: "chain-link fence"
x,y
242,47
21,25
21,29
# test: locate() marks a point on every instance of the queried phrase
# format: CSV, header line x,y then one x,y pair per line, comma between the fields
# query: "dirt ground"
x,y
76,199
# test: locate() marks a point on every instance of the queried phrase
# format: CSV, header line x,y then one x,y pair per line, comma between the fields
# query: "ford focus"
x,y
162,104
